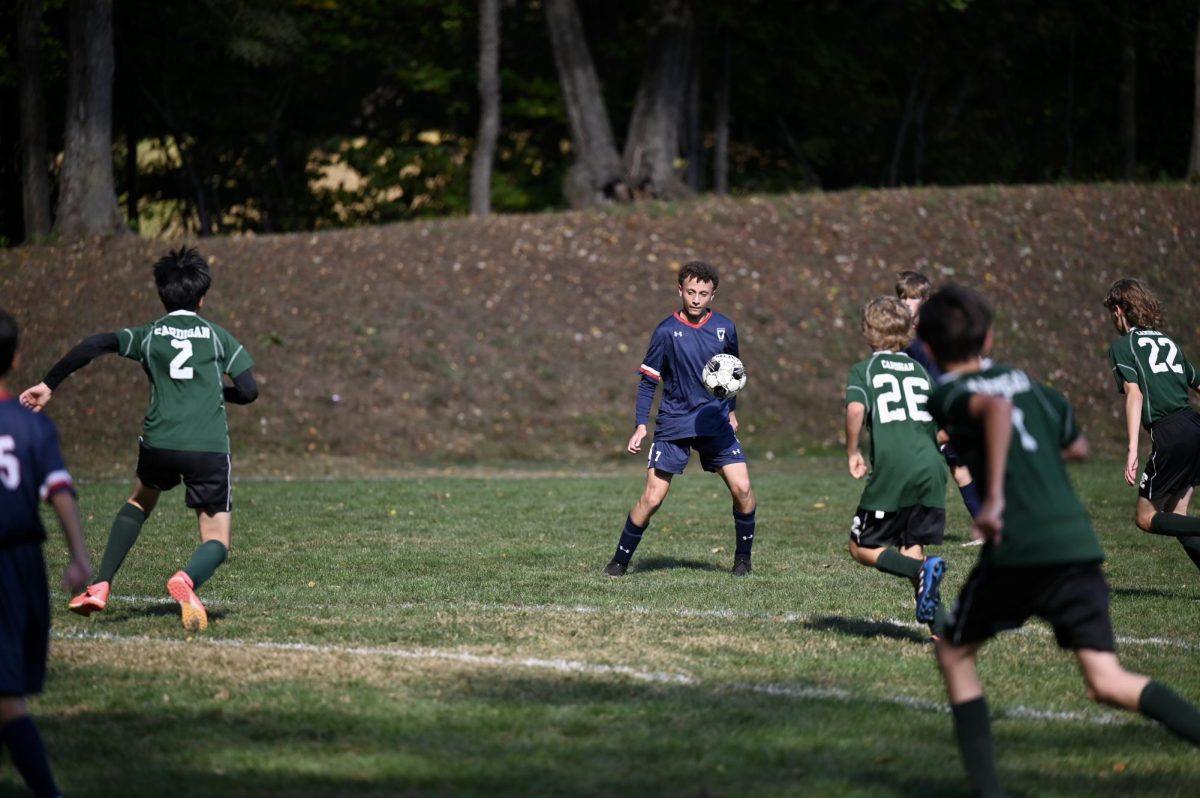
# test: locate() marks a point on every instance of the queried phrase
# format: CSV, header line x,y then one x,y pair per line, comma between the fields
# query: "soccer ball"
x,y
724,375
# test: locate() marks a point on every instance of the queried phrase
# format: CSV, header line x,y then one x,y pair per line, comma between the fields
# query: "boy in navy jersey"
x,y
1040,554
688,416
31,469
185,435
1155,375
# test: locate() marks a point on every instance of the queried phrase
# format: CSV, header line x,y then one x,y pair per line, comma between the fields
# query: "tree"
x,y
35,172
596,176
1194,163
87,199
489,110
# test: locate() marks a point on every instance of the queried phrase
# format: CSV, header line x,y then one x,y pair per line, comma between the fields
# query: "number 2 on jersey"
x,y
1172,350
178,370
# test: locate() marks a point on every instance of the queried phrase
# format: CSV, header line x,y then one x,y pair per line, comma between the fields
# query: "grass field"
x,y
452,636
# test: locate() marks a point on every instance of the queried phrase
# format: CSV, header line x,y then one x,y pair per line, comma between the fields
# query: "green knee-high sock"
x,y
938,625
894,563
205,561
124,533
1161,703
973,729
1174,525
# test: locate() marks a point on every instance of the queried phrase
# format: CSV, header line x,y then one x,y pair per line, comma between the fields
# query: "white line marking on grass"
x,y
798,692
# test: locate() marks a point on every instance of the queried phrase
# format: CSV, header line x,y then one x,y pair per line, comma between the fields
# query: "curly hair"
x,y
886,324
1141,308
701,272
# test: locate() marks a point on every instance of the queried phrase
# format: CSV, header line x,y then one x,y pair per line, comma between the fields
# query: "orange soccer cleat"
x,y
192,612
90,600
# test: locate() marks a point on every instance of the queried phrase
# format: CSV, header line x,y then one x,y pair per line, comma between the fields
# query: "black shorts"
x,y
1174,464
24,619
912,526
208,476
1072,598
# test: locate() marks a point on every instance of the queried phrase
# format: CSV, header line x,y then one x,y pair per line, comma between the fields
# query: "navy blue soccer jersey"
x,y
31,470
677,355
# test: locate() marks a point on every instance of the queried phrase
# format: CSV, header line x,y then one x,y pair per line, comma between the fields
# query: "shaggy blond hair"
x,y
887,324
1140,307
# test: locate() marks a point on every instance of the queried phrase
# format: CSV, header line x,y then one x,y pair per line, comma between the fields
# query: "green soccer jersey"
x,y
1158,367
1044,522
185,357
906,468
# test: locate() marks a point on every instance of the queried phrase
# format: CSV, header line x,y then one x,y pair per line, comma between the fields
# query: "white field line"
x,y
677,612
577,667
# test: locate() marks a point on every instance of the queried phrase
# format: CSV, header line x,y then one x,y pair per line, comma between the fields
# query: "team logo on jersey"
x,y
677,333
720,333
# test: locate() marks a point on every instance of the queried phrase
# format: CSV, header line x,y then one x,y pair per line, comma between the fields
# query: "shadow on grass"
x,y
1146,592
862,627
672,563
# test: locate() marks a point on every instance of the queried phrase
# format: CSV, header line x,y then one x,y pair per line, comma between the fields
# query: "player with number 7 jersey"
x,y
185,434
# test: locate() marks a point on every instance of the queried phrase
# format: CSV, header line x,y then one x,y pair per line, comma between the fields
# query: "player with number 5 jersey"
x,y
1151,370
185,434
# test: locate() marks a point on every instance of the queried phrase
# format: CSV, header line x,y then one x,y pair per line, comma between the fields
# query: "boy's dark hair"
x,y
8,342
912,285
954,323
182,278
700,271
1141,308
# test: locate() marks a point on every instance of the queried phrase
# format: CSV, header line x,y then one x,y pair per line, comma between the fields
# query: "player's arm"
x,y
647,385
79,569
995,414
1133,428
244,389
855,413
90,348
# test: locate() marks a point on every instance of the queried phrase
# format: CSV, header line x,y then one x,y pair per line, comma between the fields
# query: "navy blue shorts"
x,y
24,619
716,452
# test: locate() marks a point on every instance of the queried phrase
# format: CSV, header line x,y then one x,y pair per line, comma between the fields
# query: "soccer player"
x,y
1040,555
1153,373
185,435
903,505
31,469
688,416
912,288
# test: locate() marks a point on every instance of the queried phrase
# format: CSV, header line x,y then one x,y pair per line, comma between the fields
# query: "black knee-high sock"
x,y
1174,525
743,528
29,755
1160,702
973,729
631,536
1192,547
124,533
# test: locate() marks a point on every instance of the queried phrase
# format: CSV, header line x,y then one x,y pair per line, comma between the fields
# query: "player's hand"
x,y
733,421
37,397
858,465
635,440
989,524
1131,468
77,576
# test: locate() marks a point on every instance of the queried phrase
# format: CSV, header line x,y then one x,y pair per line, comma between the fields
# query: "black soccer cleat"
x,y
741,567
615,568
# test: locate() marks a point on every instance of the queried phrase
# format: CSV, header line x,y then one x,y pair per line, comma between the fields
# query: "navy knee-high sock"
x,y
743,527
631,536
24,742
970,497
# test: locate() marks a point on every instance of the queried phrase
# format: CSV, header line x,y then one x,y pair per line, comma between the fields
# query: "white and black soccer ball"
x,y
724,376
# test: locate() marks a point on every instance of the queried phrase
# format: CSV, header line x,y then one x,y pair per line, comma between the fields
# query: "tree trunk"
x,y
653,141
489,107
1194,164
694,137
721,150
1128,100
35,169
596,175
87,199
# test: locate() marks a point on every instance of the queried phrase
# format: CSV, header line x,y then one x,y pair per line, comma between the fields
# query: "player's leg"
x,y
208,478
926,526
658,482
737,479
1178,505
20,735
1109,683
968,707
124,533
